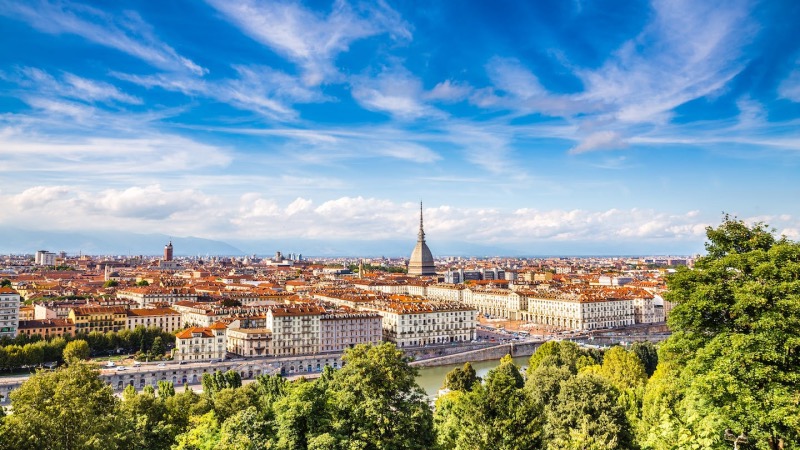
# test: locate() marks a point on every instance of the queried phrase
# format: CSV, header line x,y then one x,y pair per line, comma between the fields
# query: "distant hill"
x,y
15,240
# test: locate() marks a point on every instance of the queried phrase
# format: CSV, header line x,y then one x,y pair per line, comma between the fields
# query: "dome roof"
x,y
421,261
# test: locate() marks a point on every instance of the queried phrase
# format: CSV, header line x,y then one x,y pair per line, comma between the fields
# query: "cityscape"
x,y
384,225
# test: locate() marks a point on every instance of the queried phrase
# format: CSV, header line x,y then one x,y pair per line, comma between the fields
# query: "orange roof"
x,y
218,326
189,332
7,290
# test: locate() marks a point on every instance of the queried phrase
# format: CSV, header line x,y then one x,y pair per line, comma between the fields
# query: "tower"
x,y
168,251
421,261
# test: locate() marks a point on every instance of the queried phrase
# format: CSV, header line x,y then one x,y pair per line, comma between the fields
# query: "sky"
x,y
547,124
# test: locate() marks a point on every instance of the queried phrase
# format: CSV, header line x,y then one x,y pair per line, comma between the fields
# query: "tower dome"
x,y
421,262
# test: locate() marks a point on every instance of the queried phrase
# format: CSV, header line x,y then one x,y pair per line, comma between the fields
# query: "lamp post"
x,y
731,436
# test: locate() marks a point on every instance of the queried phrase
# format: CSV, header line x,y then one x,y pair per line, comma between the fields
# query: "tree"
x,y
77,350
143,283
67,409
302,415
158,350
497,414
735,347
111,283
204,434
145,419
5,283
376,402
648,355
561,353
461,378
245,430
586,415
166,389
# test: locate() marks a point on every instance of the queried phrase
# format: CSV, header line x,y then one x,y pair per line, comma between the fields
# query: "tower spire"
x,y
421,235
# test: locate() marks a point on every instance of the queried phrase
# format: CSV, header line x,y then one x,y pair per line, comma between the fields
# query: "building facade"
x,y
9,312
340,330
201,343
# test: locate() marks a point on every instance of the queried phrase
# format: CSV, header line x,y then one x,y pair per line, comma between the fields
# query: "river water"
x,y
432,378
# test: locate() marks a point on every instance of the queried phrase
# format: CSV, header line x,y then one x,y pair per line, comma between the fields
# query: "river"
x,y
432,378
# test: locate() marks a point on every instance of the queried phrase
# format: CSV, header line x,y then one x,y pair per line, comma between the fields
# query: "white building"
x,y
412,324
167,319
44,258
201,343
345,329
9,312
295,328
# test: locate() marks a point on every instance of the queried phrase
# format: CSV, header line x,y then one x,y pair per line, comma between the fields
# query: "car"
x,y
121,368
110,364
162,365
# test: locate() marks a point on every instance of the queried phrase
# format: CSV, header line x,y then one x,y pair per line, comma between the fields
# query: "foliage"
x,y
561,353
461,378
734,356
216,382
497,414
377,403
71,408
5,282
111,283
33,354
77,350
143,283
647,353
586,415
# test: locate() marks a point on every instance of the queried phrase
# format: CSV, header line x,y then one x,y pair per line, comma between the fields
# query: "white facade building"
x,y
9,312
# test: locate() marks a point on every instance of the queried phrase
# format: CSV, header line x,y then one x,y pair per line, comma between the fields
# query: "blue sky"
x,y
515,122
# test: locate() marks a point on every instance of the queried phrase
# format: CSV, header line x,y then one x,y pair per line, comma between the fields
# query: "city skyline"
x,y
555,125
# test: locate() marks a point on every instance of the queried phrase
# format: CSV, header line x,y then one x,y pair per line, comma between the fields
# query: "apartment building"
x,y
340,330
201,343
415,323
99,318
9,312
167,319
47,328
295,328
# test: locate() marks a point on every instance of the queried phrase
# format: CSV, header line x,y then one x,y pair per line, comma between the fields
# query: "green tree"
x,y
77,350
561,353
204,434
111,283
497,414
245,430
5,283
461,378
302,415
142,283
166,389
623,369
587,415
376,402
145,419
67,409
735,347
158,349
648,355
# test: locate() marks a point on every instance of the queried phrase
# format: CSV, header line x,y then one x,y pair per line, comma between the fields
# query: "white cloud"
x,y
395,91
307,38
70,156
790,87
449,91
40,83
260,216
127,33
601,140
